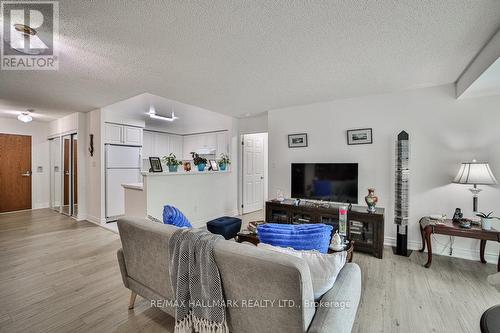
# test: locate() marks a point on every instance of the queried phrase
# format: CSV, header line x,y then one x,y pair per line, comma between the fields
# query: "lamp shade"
x,y
478,173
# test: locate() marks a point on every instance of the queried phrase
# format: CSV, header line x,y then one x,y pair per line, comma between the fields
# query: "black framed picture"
x,y
213,165
297,140
155,164
360,136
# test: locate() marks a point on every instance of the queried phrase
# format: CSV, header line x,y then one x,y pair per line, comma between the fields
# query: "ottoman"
x,y
490,321
226,226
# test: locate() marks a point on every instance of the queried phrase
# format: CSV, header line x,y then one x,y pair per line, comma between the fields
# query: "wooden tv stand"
x,y
366,229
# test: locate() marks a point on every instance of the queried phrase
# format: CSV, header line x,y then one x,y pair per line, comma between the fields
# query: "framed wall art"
x,y
361,136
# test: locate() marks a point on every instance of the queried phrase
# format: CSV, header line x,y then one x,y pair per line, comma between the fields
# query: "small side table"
x,y
450,228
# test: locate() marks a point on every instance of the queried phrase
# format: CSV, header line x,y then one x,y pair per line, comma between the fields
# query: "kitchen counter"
x,y
134,186
182,173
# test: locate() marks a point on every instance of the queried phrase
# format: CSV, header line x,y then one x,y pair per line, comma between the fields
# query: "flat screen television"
x,y
336,182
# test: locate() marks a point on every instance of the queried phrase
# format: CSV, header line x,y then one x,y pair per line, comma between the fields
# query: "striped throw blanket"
x,y
297,236
196,282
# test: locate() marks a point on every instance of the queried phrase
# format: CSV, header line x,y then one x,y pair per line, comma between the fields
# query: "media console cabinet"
x,y
365,229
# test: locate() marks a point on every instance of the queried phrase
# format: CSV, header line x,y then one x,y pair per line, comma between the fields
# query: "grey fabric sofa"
x,y
270,292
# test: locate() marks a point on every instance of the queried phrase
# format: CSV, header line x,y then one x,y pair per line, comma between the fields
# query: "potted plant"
x,y
199,161
486,220
224,161
172,162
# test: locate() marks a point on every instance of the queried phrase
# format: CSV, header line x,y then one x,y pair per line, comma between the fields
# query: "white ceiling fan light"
x,y
152,114
25,116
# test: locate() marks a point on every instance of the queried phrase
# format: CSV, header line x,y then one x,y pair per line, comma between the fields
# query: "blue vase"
x,y
172,168
222,166
201,167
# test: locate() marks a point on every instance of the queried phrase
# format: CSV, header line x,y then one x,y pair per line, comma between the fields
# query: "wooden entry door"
x,y
15,172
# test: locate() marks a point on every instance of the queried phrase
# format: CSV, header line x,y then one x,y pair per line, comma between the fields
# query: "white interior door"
x,y
253,172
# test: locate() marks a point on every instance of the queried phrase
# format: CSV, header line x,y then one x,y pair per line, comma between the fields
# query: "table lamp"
x,y
475,173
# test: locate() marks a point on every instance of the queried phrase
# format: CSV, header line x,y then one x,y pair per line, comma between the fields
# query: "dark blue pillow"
x,y
173,216
299,237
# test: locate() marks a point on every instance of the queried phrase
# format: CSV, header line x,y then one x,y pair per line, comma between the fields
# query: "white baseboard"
x,y
41,205
95,219
444,250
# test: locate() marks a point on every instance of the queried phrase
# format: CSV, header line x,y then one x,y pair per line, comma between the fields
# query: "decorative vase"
x,y
371,200
201,167
486,223
222,166
172,168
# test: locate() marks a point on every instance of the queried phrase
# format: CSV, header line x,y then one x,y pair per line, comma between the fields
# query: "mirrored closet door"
x,y
55,173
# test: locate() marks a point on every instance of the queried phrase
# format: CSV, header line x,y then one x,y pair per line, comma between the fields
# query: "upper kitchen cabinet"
x,y
122,134
176,143
206,144
222,143
161,144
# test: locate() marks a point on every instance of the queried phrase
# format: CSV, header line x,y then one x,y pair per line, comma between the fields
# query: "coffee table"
x,y
450,228
244,236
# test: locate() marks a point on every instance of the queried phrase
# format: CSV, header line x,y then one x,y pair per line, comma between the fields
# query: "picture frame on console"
x,y
361,136
155,164
297,140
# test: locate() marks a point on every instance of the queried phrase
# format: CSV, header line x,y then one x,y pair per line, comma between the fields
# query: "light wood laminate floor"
x,y
59,275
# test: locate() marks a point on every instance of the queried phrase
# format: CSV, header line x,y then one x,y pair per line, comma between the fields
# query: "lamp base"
x,y
475,194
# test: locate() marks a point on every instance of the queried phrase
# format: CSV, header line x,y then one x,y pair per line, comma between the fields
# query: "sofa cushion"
x,y
174,216
324,268
299,237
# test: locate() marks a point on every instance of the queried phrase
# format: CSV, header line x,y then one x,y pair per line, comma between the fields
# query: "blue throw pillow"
x,y
299,237
173,216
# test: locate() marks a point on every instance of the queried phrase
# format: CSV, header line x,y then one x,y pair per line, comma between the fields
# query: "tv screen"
x,y
336,182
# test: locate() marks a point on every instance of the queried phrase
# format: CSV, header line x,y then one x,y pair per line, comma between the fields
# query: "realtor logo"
x,y
30,30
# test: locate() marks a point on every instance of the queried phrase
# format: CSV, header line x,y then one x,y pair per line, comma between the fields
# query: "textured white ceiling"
x,y
239,57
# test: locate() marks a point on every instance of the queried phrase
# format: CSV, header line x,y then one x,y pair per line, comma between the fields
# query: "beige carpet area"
x,y
59,275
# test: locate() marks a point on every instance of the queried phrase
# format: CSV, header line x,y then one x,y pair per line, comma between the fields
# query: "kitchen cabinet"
x,y
122,134
222,144
113,133
176,145
132,135
161,144
147,144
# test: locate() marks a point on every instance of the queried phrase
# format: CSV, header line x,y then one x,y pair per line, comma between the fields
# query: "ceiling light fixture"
x,y
152,114
24,39
25,116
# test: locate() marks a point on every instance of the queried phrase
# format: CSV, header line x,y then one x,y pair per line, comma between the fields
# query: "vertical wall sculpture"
x,y
401,194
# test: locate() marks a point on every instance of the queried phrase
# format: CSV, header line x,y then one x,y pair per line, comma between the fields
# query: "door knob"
x,y
26,174
66,173
261,177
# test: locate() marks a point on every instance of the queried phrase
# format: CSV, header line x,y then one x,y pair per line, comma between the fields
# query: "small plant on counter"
x,y
199,161
486,220
172,162
224,161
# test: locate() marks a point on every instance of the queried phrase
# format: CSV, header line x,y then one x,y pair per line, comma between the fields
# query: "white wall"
x,y
95,168
38,131
257,124
443,132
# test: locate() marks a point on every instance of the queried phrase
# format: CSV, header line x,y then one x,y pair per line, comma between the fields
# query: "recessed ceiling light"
x,y
25,116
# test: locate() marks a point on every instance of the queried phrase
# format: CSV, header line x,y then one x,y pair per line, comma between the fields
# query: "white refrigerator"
x,y
123,166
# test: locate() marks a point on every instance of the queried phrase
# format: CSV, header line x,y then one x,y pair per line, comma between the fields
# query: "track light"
x,y
152,114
